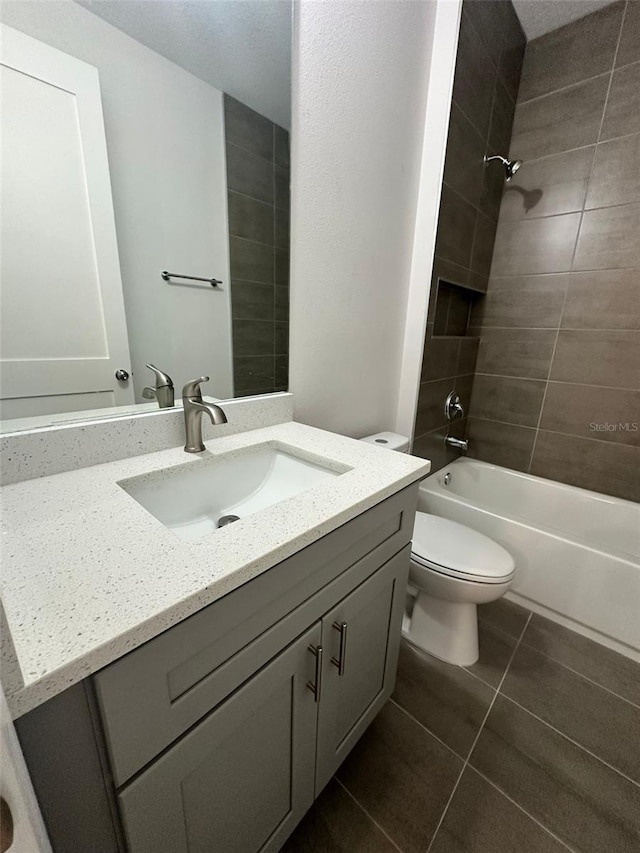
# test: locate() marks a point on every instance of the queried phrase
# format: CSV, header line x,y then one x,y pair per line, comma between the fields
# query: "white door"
x,y
63,333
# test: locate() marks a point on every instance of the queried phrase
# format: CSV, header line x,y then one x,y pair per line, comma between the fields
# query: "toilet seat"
x,y
455,550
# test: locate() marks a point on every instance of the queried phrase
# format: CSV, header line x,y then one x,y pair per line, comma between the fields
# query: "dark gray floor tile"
x,y
572,409
480,819
251,261
247,128
525,353
501,444
496,649
445,698
544,245
583,802
252,301
570,54
597,465
577,708
474,77
554,123
505,616
402,776
253,337
250,218
336,824
622,115
253,373
603,299
600,664
629,48
592,357
616,173
507,399
464,166
249,174
456,226
549,186
533,301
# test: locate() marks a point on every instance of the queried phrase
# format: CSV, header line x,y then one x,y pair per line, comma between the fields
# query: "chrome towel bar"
x,y
214,282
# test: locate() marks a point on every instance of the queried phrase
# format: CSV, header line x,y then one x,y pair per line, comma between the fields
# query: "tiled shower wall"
x,y
258,198
557,385
489,59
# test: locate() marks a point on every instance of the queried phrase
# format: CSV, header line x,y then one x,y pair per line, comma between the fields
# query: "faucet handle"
x,y
192,388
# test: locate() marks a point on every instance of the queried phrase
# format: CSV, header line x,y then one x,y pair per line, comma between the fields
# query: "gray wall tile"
x,y
604,299
502,114
512,53
440,358
548,186
523,301
250,218
516,352
558,122
248,174
609,238
629,49
535,246
594,357
247,128
575,409
281,142
282,303
474,77
488,19
282,338
596,465
506,399
282,268
582,801
456,225
502,444
616,173
464,167
622,115
571,54
251,261
483,243
253,373
253,337
251,301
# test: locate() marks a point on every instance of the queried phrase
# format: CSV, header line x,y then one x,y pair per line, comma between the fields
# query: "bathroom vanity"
x,y
213,720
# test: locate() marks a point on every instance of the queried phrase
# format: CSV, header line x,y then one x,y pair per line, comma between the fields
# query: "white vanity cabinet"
x,y
218,734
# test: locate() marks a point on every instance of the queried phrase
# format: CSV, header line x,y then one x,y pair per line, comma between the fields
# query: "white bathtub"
x,y
577,553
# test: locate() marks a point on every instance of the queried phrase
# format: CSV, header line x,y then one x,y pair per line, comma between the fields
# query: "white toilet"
x,y
453,569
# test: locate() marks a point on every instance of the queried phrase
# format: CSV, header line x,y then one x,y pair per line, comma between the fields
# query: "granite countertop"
x,y
88,574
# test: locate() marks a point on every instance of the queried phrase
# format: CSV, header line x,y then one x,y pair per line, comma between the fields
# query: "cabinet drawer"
x,y
154,694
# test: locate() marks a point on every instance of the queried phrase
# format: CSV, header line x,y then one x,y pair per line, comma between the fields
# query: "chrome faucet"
x,y
163,392
457,443
194,407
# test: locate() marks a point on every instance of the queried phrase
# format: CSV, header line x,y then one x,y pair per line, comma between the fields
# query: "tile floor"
x,y
534,749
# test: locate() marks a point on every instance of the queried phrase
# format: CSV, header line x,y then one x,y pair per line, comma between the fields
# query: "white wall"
x,y
165,140
360,80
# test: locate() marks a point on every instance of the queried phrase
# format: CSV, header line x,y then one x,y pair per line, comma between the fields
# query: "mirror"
x,y
145,215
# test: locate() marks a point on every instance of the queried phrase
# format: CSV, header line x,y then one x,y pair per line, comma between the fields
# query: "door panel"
x,y
63,327
372,614
243,778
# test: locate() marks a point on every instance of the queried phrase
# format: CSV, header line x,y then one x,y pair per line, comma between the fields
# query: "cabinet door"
x,y
241,779
361,638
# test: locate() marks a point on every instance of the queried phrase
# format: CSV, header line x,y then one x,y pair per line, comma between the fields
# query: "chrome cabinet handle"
x,y
316,687
341,660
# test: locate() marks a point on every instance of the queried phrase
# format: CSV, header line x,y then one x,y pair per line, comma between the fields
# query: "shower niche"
x,y
453,309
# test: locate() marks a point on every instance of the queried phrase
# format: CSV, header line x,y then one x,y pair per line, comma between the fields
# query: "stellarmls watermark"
x,y
615,427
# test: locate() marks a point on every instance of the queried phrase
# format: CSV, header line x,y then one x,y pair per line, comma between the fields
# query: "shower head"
x,y
510,166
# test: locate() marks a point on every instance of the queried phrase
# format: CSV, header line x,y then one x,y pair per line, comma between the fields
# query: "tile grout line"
x,y
580,148
576,743
477,737
532,379
425,728
362,808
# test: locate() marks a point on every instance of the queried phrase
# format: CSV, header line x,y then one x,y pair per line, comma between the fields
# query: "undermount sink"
x,y
192,499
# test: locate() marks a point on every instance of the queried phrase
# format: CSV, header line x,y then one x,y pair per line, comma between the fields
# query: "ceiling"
x,y
542,16
240,46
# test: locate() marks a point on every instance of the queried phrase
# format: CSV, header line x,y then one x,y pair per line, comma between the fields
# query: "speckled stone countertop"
x,y
88,574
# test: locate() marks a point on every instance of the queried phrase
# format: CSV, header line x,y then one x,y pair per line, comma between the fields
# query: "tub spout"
x,y
457,443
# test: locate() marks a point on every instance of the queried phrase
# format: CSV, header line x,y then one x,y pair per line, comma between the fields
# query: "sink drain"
x,y
227,519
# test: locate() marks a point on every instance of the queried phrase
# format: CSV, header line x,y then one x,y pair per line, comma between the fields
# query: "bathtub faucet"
x,y
457,443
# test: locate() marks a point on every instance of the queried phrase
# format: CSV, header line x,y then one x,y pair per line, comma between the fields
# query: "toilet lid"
x,y
457,549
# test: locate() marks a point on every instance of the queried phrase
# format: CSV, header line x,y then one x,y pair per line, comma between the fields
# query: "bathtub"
x,y
577,552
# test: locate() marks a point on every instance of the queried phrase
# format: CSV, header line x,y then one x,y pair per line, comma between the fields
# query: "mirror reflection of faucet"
x,y
163,391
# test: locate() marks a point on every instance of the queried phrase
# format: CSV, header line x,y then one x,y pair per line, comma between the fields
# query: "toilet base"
x,y
446,629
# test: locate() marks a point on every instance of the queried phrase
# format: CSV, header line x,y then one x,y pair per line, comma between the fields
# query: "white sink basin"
x,y
190,499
